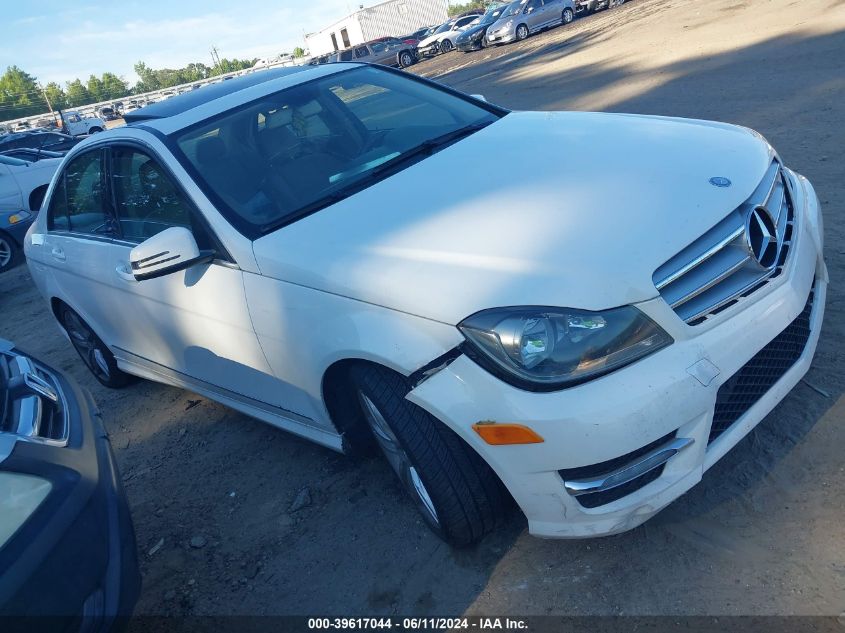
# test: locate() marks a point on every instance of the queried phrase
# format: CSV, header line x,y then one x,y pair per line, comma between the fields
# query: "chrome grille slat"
x,y
720,267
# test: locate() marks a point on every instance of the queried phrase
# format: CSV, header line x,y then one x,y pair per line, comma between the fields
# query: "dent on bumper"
x,y
624,411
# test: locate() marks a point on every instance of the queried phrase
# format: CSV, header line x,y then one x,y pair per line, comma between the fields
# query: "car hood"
x,y
469,32
558,209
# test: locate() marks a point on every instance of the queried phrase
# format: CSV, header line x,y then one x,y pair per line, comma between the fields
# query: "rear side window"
x,y
361,51
79,202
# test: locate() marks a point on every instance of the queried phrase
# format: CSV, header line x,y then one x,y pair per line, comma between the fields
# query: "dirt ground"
x,y
213,492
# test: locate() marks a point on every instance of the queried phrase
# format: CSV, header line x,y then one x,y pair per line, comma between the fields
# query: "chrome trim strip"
x,y
737,296
636,468
701,258
720,277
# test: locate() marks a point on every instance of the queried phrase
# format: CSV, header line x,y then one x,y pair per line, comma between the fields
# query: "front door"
x,y
10,194
195,322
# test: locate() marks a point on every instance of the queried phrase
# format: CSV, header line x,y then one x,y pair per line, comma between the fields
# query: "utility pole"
x,y
215,56
49,105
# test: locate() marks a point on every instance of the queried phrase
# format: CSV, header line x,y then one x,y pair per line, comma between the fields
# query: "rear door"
x,y
76,248
194,322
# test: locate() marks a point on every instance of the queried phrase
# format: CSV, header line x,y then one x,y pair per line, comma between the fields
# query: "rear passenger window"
x,y
79,203
361,51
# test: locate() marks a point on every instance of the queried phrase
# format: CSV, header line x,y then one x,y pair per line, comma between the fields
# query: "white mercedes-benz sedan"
x,y
324,248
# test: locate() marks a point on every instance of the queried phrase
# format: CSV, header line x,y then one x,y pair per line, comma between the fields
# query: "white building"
x,y
394,17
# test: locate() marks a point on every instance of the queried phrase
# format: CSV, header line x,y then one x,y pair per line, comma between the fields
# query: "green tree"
x,y
298,52
95,89
472,5
77,94
56,95
114,87
20,95
147,78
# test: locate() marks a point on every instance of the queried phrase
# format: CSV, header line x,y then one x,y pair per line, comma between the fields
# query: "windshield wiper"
x,y
426,148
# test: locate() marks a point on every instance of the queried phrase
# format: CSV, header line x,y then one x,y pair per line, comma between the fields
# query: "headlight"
x,y
543,349
20,496
477,35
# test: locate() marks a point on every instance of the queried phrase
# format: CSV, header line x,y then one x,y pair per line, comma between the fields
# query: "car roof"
x,y
189,108
190,100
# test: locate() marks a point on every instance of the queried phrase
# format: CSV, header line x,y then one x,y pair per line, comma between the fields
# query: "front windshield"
x,y
492,14
444,27
300,149
514,8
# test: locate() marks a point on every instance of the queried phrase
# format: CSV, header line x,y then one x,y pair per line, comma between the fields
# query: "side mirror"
x,y
479,97
528,9
170,251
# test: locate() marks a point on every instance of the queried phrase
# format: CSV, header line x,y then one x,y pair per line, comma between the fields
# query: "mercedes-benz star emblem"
x,y
761,237
720,181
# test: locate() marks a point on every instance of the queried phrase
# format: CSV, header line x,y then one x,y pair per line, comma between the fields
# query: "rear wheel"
x,y
521,32
567,17
93,352
456,492
446,46
9,252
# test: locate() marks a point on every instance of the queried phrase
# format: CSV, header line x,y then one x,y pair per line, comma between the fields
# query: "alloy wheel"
x,y
521,32
445,46
567,16
398,458
88,346
406,60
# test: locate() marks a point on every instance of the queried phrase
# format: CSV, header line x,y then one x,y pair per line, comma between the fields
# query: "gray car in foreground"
x,y
391,53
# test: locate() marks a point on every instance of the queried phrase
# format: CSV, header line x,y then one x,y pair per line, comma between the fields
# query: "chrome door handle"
x,y
124,274
58,254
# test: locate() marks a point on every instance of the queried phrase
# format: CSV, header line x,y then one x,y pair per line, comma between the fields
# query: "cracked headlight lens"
x,y
543,349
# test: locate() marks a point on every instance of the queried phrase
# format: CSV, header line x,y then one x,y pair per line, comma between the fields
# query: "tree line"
x,y
21,95
472,5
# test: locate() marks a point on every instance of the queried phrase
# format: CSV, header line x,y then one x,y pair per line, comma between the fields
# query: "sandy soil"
x,y
211,491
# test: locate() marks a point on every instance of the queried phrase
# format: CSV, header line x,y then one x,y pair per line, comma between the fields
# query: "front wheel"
x,y
93,352
446,46
521,32
9,253
456,492
405,59
567,16
95,129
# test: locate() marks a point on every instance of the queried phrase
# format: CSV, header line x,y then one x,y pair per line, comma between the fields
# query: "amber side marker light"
x,y
501,434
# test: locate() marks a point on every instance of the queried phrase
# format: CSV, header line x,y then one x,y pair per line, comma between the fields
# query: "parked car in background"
x,y
31,155
22,188
108,113
68,558
594,354
417,35
442,40
51,141
76,124
390,53
525,17
472,37
589,6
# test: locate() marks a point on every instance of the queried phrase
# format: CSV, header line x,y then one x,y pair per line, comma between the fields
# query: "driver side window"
x,y
146,200
78,203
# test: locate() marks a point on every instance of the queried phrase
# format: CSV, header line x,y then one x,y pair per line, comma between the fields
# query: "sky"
x,y
60,41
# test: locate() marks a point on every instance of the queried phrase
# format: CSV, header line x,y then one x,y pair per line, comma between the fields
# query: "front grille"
x,y
596,499
718,269
26,411
760,374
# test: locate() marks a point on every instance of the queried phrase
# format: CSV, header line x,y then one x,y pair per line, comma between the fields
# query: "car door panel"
x,y
195,322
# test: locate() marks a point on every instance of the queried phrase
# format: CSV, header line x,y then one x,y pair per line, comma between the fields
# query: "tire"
x,y
567,16
459,496
95,129
405,59
9,253
521,32
97,357
446,46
